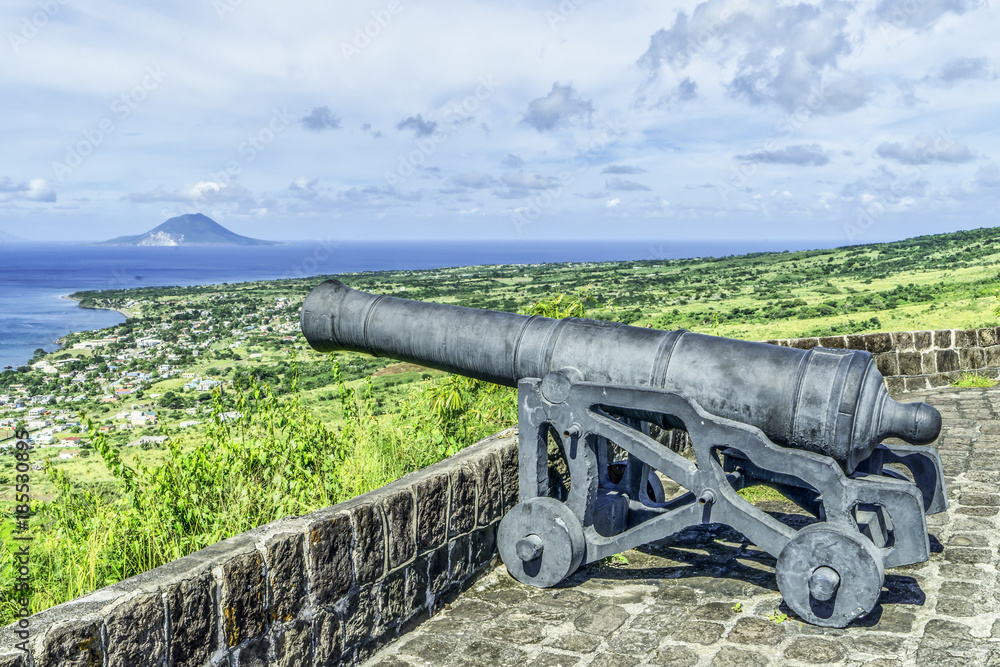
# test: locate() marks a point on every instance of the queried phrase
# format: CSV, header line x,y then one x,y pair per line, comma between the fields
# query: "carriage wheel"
x,y
829,575
541,542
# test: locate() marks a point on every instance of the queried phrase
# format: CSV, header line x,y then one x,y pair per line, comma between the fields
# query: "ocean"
x,y
33,277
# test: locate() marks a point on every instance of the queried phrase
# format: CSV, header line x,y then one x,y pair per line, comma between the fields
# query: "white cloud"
x,y
925,149
320,119
802,155
562,105
35,190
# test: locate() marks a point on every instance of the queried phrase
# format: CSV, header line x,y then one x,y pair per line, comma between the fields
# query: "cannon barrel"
x,y
833,402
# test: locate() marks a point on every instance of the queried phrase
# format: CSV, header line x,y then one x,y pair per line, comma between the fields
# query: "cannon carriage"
x,y
810,423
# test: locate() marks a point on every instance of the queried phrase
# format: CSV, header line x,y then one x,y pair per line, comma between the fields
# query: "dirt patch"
x,y
404,367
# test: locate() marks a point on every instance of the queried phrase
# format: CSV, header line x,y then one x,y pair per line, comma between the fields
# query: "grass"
x,y
974,380
759,493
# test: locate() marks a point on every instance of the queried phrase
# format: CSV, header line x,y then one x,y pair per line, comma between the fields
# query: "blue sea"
x,y
33,277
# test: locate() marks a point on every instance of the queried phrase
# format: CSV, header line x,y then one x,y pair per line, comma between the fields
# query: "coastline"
x,y
124,313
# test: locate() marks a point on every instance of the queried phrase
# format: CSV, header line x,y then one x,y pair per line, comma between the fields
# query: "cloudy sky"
x,y
500,119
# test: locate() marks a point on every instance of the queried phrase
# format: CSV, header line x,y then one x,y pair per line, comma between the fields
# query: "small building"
x,y
69,453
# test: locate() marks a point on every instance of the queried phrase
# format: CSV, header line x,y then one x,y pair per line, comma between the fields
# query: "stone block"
x,y
136,632
887,364
463,501
415,595
987,337
971,338
360,615
74,643
815,650
458,559
293,645
947,361
437,570
895,384
856,342
369,543
392,598
939,380
193,623
771,342
914,382
878,342
837,342
902,341
254,654
286,575
756,631
733,657
923,340
601,620
400,533
909,363
483,547
432,512
928,363
803,343
489,490
508,476
943,338
971,358
328,639
331,570
991,356
243,598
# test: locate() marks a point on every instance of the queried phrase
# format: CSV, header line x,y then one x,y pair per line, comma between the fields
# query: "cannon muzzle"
x,y
829,401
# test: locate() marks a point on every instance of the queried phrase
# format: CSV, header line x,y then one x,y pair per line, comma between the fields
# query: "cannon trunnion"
x,y
808,423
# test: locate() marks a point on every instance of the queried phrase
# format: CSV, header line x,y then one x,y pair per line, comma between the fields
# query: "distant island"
x,y
9,238
188,229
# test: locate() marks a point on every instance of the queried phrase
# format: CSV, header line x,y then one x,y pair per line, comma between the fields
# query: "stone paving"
x,y
705,597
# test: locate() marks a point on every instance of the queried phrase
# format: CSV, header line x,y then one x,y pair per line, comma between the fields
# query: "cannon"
x,y
809,423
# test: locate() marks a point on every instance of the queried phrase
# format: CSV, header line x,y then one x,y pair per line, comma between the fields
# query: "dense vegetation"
x,y
272,459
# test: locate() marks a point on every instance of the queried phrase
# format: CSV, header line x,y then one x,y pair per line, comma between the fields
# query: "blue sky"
x,y
500,120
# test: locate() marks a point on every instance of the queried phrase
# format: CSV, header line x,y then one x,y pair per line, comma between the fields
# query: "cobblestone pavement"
x,y
705,597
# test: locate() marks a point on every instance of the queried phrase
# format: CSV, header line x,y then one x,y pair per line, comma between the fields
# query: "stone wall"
x,y
328,588
913,360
